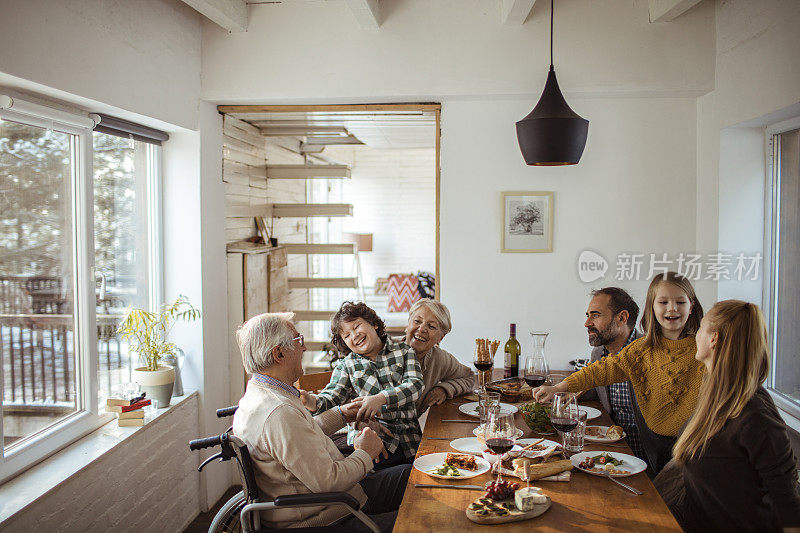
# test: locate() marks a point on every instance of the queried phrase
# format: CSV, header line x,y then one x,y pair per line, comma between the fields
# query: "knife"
x,y
462,487
467,421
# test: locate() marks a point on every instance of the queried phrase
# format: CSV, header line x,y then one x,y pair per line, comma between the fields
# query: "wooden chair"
x,y
314,382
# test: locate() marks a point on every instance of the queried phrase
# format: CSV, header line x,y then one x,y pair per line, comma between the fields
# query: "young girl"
x,y
733,468
382,374
661,366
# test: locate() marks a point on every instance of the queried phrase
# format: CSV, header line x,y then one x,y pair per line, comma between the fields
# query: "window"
x,y
73,204
783,288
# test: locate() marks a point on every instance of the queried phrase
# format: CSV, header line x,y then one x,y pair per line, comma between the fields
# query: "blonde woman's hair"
x,y
739,367
258,336
439,311
650,326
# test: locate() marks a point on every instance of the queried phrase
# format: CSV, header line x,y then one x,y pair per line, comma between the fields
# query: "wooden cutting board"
x,y
514,514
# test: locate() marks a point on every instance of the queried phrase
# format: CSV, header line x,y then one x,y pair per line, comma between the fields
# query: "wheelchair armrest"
x,y
324,498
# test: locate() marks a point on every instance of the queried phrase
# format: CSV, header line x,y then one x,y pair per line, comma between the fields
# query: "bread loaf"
x,y
538,471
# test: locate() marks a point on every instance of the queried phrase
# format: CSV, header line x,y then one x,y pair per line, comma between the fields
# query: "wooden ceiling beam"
x,y
230,14
669,10
514,12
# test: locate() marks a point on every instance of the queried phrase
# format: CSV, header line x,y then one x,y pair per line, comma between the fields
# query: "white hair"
x,y
439,311
259,335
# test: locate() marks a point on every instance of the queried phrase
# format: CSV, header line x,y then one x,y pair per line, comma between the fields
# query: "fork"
x,y
621,484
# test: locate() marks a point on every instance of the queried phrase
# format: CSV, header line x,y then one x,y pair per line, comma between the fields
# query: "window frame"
x,y
88,416
40,445
771,287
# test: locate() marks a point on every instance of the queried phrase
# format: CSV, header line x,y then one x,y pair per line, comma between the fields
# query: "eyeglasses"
x,y
301,339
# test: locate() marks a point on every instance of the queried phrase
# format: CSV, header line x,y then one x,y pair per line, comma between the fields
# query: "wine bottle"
x,y
512,352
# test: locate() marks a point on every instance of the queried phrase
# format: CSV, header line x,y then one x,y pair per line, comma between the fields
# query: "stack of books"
x,y
129,412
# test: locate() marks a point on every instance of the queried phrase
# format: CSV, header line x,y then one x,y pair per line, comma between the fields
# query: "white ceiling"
x,y
376,129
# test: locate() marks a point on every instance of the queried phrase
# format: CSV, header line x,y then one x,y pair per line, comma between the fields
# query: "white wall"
x,y
142,57
757,84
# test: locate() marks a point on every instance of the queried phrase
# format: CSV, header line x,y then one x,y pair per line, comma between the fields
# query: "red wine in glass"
x,y
535,380
483,365
500,446
564,425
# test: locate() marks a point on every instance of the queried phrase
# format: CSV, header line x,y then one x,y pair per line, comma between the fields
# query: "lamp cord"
x,y
551,32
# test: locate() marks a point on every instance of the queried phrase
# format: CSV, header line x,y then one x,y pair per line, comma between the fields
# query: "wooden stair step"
x,y
311,248
323,283
313,315
312,210
296,172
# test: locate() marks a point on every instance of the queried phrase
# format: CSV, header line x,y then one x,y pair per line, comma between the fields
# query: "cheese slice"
x,y
527,498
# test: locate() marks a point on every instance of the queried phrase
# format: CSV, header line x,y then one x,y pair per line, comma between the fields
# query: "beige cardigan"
x,y
293,455
441,369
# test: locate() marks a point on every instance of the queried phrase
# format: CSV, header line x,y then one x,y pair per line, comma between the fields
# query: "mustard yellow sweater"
x,y
666,380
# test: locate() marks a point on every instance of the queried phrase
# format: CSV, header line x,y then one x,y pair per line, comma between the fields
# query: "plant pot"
x,y
157,384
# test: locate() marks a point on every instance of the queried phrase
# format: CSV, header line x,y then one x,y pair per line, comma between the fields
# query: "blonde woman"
x,y
733,467
428,323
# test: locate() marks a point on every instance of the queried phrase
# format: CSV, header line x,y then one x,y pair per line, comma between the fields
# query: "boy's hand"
x,y
309,400
350,410
377,427
371,406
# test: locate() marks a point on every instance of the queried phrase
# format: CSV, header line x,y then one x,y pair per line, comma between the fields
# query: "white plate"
x,y
426,463
591,412
467,445
471,408
632,464
479,430
603,430
545,442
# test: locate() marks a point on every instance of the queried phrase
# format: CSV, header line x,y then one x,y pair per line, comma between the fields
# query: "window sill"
x,y
788,410
39,480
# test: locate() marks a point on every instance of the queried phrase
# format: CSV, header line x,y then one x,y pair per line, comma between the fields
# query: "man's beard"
x,y
601,338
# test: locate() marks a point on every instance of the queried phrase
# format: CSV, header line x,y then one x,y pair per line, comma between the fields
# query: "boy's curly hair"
x,y
348,312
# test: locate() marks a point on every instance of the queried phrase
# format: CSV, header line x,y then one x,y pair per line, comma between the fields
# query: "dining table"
x,y
584,503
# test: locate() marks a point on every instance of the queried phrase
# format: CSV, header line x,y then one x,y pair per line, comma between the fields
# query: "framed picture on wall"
x,y
527,222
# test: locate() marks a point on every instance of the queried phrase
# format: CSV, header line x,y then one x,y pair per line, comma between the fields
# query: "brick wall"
x,y
147,483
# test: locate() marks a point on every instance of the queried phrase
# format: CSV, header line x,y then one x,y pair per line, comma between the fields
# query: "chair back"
x,y
314,382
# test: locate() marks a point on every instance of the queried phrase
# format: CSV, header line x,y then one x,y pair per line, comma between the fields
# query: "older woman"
x,y
444,376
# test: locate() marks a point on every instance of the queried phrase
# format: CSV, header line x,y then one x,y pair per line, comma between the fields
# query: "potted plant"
x,y
147,332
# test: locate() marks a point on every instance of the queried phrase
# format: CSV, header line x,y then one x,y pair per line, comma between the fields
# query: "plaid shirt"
x,y
622,408
396,374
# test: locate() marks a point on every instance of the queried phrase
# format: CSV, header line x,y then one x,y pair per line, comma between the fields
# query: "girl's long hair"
x,y
740,366
650,325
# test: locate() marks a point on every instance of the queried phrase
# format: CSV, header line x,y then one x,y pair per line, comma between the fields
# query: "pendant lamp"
x,y
552,134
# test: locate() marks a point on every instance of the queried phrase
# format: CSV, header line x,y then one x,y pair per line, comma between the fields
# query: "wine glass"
x,y
535,371
500,433
481,365
564,413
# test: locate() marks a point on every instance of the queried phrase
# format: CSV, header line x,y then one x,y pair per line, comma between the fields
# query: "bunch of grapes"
x,y
500,491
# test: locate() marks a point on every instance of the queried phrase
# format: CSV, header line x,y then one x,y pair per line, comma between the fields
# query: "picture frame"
x,y
527,225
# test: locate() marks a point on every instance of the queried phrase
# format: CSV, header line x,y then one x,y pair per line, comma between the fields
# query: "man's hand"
x,y
370,442
371,406
309,400
545,393
436,396
350,410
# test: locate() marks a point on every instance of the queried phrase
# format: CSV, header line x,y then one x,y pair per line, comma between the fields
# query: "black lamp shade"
x,y
552,134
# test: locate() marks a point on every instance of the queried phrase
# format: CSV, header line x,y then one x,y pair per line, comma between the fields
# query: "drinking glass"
x,y
481,365
535,371
564,414
501,433
573,441
486,402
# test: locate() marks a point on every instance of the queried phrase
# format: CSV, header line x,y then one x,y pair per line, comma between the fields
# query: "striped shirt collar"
x,y
269,380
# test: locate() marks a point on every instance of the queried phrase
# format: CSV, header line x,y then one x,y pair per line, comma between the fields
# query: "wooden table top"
x,y
585,503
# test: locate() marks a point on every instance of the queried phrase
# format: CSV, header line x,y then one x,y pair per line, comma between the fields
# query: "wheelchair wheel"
x,y
227,518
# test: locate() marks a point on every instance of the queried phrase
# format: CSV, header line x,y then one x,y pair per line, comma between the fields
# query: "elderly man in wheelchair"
x,y
290,449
